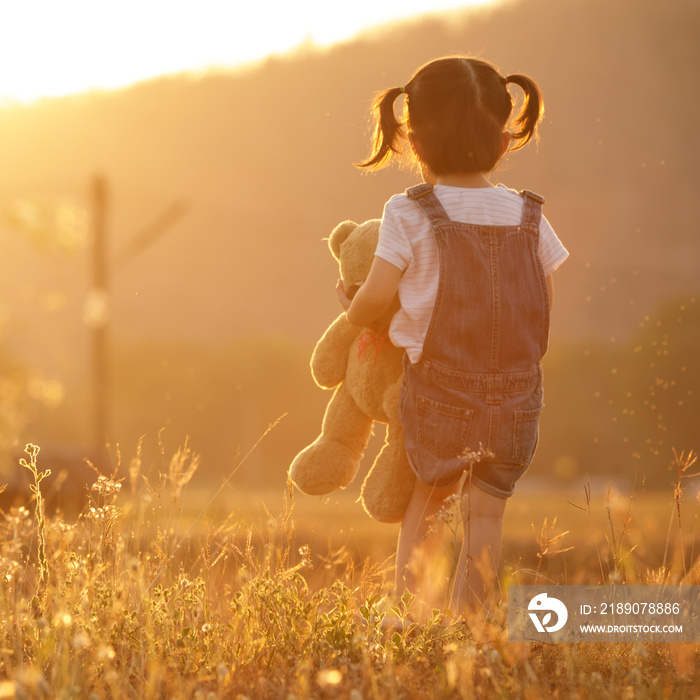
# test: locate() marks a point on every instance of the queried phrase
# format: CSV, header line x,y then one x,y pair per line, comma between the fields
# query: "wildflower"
x,y
32,450
446,515
81,640
106,487
305,552
105,513
17,516
106,653
60,525
8,568
329,677
62,620
8,689
471,458
31,682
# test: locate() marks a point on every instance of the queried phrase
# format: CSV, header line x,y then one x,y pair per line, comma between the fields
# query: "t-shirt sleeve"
x,y
552,251
393,245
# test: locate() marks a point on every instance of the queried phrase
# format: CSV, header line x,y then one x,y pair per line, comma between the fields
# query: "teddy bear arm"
x,y
329,361
332,460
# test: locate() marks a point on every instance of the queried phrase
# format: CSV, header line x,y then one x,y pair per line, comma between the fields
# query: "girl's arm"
x,y
374,297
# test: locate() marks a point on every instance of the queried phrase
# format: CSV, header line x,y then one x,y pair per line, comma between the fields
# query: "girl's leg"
x,y
477,568
415,530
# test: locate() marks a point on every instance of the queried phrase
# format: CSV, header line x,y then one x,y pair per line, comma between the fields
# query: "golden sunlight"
x,y
50,48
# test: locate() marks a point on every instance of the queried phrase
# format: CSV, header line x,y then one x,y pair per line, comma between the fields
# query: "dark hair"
x,y
458,108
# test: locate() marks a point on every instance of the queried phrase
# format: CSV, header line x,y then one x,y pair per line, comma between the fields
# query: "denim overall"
x,y
478,383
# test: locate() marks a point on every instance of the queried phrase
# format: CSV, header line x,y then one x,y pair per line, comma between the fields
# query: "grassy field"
x,y
162,589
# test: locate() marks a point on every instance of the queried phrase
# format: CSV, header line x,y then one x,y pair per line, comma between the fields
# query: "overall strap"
x,y
532,210
424,196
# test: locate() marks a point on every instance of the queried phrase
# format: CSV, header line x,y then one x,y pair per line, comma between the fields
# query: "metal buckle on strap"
x,y
534,196
419,190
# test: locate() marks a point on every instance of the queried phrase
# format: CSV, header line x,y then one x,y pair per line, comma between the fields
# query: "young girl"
x,y
472,264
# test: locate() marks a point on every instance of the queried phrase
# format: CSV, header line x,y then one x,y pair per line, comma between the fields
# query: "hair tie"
x,y
402,88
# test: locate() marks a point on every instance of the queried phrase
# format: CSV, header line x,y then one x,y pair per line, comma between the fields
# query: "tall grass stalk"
x,y
246,611
545,541
33,451
178,470
587,509
682,463
615,542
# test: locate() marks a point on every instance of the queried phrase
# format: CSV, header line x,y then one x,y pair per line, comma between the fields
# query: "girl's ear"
x,y
339,235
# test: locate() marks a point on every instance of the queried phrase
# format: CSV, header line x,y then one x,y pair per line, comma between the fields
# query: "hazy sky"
x,y
54,47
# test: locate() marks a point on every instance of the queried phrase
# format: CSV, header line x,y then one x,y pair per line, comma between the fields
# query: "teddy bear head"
x,y
353,246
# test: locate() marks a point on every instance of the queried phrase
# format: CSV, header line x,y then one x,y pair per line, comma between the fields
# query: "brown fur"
x,y
367,383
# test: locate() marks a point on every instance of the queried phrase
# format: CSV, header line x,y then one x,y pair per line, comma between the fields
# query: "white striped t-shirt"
x,y
406,240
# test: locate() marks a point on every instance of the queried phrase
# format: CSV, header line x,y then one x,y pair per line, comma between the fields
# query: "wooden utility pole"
x,y
98,303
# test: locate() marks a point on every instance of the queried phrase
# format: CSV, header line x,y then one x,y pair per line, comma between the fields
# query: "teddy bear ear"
x,y
339,235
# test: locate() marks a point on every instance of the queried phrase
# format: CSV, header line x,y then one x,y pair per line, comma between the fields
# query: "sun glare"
x,y
50,48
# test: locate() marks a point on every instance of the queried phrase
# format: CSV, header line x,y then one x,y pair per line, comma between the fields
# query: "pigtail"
x,y
387,130
531,112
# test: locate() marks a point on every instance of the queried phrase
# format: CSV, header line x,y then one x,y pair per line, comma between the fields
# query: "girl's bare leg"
x,y
477,568
415,531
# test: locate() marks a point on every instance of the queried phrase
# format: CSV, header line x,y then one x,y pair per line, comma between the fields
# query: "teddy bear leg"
x,y
332,460
388,486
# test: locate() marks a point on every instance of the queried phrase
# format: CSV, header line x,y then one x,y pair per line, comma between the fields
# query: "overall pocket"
x,y
525,435
443,429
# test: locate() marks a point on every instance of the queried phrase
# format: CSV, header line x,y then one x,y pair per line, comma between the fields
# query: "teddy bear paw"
x,y
324,466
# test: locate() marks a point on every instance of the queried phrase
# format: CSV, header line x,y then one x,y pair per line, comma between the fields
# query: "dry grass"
x,y
159,591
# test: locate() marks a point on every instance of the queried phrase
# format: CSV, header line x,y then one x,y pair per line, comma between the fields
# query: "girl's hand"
x,y
343,298
368,303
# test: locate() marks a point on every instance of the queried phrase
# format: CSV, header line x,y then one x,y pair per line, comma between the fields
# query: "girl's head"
x,y
457,111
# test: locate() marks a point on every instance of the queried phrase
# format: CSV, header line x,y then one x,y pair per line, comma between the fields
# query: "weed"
x,y
142,596
33,451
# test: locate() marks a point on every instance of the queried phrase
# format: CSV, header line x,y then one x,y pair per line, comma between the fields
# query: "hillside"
x,y
263,158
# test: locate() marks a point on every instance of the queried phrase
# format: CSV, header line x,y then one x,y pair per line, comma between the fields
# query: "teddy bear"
x,y
366,371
